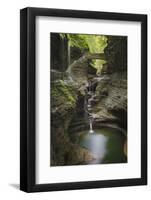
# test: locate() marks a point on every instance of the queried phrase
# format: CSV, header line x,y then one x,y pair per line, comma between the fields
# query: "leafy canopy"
x,y
92,43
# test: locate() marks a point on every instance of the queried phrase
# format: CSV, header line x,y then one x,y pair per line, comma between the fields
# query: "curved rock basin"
x,y
105,144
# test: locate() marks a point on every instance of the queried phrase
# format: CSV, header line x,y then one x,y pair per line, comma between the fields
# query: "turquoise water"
x,y
105,144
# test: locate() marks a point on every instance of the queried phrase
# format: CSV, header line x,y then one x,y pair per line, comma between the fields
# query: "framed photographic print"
x,y
83,96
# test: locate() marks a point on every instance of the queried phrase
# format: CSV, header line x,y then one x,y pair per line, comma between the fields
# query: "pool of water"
x,y
105,144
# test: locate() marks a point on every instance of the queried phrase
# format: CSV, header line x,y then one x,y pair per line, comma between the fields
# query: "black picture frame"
x,y
28,98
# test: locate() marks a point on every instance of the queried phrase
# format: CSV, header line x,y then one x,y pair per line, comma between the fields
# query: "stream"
x,y
106,145
88,99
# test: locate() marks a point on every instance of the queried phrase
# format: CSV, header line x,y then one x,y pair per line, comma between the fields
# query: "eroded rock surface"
x,y
112,99
63,103
108,101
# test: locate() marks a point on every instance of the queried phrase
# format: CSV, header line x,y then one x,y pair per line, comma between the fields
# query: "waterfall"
x,y
88,106
91,126
85,108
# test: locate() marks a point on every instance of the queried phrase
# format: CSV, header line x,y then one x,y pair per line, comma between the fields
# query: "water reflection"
x,y
97,145
106,145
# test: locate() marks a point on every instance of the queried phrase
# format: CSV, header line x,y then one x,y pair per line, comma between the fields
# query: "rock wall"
x,y
111,106
59,52
63,103
116,54
68,91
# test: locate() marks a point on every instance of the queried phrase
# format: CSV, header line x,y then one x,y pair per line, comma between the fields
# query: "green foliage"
x,y
91,43
67,91
97,44
77,40
63,93
98,63
94,43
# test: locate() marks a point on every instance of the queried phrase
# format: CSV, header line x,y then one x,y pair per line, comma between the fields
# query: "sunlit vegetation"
x,y
88,99
90,43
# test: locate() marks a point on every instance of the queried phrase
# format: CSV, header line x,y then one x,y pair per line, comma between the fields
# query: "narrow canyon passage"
x,y
88,99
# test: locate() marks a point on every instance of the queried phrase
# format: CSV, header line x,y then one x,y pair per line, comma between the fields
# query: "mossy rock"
x,y
63,97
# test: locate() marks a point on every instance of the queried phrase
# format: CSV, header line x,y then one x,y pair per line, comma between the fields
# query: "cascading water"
x,y
88,106
105,144
91,125
102,142
90,99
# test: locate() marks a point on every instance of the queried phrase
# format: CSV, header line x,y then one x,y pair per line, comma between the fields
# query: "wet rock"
x,y
107,100
63,98
63,151
112,95
116,54
79,155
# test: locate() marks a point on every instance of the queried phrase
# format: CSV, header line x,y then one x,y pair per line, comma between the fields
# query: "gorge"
x,y
88,99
